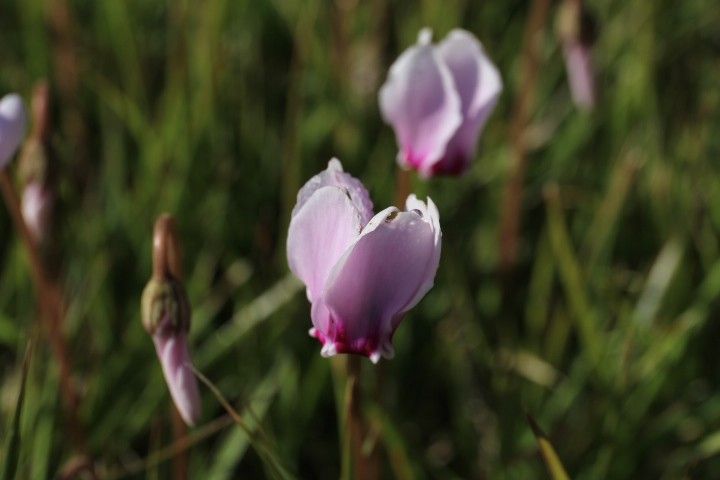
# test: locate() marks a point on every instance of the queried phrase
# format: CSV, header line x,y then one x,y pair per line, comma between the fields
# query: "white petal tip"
x,y
335,165
425,36
312,332
375,357
328,350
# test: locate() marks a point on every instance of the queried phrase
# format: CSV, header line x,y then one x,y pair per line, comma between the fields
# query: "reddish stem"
x,y
51,310
403,184
513,195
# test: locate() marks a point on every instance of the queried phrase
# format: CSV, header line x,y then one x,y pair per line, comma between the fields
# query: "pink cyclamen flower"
x,y
438,98
362,272
12,126
36,206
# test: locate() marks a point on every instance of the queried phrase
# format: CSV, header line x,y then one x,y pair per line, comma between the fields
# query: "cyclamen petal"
x,y
12,126
334,176
421,103
467,102
172,350
362,277
320,231
379,278
479,85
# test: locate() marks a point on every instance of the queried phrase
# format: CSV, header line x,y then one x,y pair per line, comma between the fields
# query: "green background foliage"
x,y
218,110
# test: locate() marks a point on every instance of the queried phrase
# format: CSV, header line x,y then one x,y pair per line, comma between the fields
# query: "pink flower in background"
x,y
361,271
576,29
12,126
438,98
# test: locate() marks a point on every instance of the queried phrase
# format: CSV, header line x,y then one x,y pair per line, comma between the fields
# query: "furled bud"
x,y
165,311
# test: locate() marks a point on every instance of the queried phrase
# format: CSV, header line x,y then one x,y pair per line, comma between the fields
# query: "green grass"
x,y
218,111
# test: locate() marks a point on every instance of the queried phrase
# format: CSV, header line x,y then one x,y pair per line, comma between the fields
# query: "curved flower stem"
x,y
513,195
51,311
167,262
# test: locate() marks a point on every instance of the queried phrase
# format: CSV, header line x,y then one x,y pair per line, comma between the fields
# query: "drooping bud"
x,y
166,314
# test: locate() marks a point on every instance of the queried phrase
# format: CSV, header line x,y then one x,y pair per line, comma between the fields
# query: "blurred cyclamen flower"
x,y
361,272
12,126
576,30
36,206
438,98
166,317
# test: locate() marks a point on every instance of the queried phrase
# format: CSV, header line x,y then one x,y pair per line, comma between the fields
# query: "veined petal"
x,y
12,126
479,85
430,214
379,278
334,176
320,232
172,350
419,100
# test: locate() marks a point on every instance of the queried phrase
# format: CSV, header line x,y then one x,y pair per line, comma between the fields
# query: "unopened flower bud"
x,y
165,311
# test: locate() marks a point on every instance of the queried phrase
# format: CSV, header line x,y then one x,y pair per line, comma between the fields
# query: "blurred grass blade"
x,y
658,282
550,456
394,442
259,443
601,233
232,449
537,311
246,318
571,275
12,446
